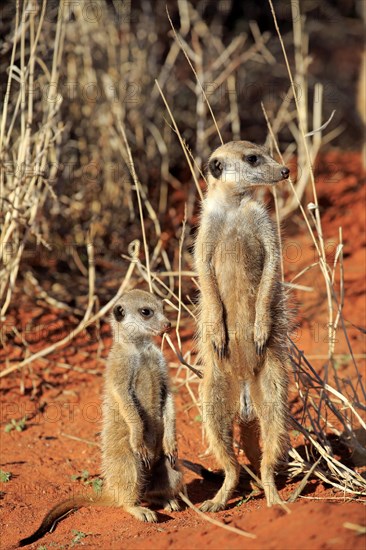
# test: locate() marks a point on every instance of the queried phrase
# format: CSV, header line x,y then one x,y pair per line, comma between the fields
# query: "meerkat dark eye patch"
x,y
252,159
118,313
216,167
146,312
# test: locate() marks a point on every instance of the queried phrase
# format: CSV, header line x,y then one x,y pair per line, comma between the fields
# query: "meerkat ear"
x,y
216,167
118,313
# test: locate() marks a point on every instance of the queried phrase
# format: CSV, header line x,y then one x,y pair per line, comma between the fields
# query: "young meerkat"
x,y
139,449
243,320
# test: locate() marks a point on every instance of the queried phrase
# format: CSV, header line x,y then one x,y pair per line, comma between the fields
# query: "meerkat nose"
x,y
167,326
285,172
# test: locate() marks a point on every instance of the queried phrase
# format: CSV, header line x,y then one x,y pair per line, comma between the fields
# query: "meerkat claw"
x,y
143,455
144,459
143,514
150,516
259,348
172,505
172,457
216,349
221,351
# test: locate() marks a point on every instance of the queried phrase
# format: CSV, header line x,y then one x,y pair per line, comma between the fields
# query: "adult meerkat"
x,y
243,322
139,449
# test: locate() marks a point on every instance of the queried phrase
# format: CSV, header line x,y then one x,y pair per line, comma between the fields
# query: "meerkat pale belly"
x,y
146,392
238,289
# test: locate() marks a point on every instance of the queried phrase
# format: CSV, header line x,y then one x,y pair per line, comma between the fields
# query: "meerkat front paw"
x,y
262,329
171,453
219,341
143,454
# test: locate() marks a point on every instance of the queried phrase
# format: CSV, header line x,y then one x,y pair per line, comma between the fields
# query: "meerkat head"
x,y
239,165
138,315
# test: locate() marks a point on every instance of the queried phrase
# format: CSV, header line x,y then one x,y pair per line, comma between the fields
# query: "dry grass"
x,y
98,162
29,140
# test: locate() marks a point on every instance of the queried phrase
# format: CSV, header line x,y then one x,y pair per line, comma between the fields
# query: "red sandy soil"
x,y
63,412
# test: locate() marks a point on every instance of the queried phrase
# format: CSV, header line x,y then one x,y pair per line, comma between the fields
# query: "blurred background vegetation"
x,y
75,71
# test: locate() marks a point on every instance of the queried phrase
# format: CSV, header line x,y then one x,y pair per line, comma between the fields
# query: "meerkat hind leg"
x,y
164,485
270,398
249,440
124,485
222,447
219,411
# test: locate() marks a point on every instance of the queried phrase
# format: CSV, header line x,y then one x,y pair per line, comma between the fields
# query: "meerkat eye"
x,y
118,313
252,159
146,312
216,167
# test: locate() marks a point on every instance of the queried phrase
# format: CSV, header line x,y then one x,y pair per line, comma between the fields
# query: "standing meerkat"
x,y
243,319
139,449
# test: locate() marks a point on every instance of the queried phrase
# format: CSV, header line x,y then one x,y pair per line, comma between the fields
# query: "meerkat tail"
x,y
58,512
202,471
209,475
